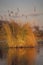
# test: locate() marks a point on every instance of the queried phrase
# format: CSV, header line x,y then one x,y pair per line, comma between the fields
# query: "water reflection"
x,y
23,56
1,53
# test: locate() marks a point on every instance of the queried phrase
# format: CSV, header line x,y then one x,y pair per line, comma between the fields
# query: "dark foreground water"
x,y
21,56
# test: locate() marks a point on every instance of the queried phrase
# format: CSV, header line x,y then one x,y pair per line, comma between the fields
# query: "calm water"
x,y
23,56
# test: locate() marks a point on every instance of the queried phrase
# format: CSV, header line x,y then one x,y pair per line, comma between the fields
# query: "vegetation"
x,y
17,35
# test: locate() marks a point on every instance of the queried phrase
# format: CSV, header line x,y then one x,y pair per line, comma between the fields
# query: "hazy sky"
x,y
25,6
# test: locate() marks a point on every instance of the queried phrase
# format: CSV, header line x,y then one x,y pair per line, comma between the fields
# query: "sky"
x,y
25,6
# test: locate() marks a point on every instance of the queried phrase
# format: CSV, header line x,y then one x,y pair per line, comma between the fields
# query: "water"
x,y
22,56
